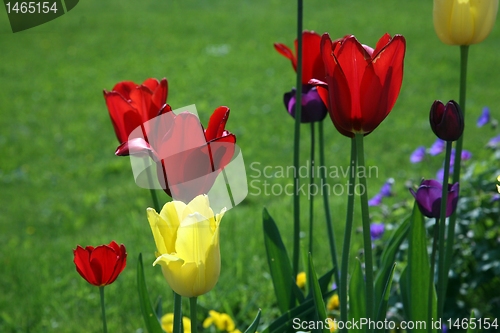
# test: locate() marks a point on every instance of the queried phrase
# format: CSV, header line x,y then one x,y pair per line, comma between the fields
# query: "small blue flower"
x,y
386,190
494,142
437,147
376,200
418,155
484,118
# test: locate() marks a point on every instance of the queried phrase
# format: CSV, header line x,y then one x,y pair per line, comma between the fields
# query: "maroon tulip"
x,y
428,197
130,105
188,158
447,121
100,265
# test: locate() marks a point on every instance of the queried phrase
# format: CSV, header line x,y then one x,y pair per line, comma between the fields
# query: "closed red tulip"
x,y
100,265
447,121
362,83
130,104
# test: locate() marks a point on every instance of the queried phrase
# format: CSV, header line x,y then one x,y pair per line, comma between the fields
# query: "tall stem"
x,y
311,181
296,152
347,235
464,55
435,240
442,269
104,325
367,241
326,203
193,306
177,313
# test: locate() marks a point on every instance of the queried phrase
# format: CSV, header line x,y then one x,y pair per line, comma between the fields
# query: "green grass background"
x,y
61,185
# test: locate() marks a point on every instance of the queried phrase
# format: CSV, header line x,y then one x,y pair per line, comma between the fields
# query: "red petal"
x,y
287,52
82,263
124,88
217,123
141,101
382,42
137,146
159,97
312,63
151,83
103,261
120,263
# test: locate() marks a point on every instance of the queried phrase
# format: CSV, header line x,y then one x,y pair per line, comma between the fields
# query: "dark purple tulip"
x,y
313,108
376,200
484,118
428,197
494,142
447,121
418,155
437,147
376,230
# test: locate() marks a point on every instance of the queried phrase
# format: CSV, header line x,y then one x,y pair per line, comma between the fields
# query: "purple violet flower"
x,y
376,230
418,155
386,189
376,200
484,118
437,147
494,142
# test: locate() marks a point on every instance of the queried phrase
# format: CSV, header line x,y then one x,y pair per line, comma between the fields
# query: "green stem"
x,y
311,181
177,313
151,189
104,325
442,271
326,203
347,235
435,240
193,309
296,144
464,55
367,240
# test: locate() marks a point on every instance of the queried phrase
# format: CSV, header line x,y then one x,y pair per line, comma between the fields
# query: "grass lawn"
x,y
61,185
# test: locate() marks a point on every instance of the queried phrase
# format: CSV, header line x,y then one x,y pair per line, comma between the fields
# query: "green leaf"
x,y
319,304
472,320
253,326
382,309
324,282
418,271
388,259
285,323
148,313
279,264
357,296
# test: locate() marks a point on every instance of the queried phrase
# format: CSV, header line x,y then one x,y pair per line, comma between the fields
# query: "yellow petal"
x,y
194,237
441,18
154,222
201,205
461,23
485,16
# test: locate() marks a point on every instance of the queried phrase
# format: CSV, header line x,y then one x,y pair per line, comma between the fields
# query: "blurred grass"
x,y
61,185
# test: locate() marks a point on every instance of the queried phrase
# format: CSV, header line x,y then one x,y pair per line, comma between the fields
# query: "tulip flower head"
x,y
362,83
447,121
313,108
464,22
428,197
100,265
187,243
130,105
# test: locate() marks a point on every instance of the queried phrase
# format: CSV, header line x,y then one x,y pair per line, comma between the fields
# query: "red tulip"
x,y
188,158
363,83
101,265
130,105
312,64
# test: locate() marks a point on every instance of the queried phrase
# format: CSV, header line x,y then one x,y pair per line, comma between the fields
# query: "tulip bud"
x,y
447,121
464,22
428,197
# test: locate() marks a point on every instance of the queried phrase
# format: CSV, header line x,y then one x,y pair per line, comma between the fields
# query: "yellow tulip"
x,y
464,22
187,243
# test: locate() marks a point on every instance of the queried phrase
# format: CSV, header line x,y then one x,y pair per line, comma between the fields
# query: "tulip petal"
x,y
194,237
163,234
82,263
287,52
485,17
217,123
103,261
312,64
124,88
123,115
159,98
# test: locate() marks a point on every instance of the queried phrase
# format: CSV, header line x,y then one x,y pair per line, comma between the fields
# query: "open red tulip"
x,y
100,265
130,105
362,84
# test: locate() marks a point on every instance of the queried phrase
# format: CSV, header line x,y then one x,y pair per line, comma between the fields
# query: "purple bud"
x,y
418,155
313,108
428,197
447,121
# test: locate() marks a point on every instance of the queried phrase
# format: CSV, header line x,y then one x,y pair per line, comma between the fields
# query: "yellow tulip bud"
x,y
464,22
187,243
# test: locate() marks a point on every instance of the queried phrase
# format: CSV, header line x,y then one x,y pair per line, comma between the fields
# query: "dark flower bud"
x,y
447,121
428,197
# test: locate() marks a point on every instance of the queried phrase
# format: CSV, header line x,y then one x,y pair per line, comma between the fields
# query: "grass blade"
x,y
148,313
